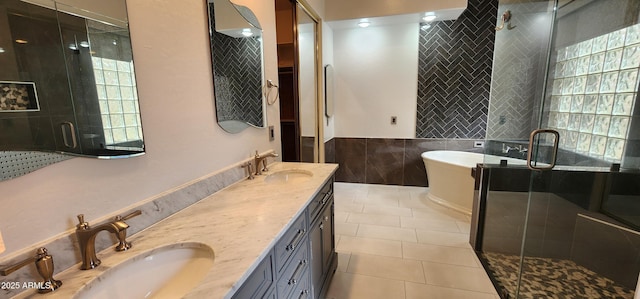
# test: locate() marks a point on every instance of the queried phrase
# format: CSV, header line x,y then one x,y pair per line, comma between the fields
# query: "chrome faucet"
x,y
262,159
44,265
87,237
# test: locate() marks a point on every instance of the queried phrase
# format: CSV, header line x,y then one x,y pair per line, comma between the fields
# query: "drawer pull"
x,y
294,279
326,197
303,294
296,240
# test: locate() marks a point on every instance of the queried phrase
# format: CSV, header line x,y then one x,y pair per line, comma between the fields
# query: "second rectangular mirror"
x,y
236,55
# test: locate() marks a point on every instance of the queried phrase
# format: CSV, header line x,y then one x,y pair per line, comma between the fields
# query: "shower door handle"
x,y
69,141
554,152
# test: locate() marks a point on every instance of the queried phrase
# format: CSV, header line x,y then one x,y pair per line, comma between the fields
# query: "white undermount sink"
x,y
288,176
165,272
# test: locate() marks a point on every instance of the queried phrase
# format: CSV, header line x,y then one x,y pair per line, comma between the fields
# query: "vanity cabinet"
x,y
292,259
322,243
292,242
303,260
294,279
259,283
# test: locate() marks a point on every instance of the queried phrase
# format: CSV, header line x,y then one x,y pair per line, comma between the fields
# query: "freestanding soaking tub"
x,y
450,180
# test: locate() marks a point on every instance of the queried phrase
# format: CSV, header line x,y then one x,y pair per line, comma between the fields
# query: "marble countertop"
x,y
240,223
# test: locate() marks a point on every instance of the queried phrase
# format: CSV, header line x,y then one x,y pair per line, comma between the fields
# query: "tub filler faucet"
x,y
507,149
87,237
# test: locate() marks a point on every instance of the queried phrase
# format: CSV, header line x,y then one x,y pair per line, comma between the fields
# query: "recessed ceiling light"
x,y
364,24
247,32
1,50
21,41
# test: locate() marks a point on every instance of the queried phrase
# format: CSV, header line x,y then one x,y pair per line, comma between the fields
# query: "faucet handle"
x,y
129,216
123,245
81,223
249,167
44,264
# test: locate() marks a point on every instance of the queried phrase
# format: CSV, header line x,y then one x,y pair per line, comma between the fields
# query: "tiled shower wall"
x,y
454,74
518,71
387,161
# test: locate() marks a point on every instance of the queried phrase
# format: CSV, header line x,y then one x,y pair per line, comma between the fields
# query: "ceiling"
x,y
442,15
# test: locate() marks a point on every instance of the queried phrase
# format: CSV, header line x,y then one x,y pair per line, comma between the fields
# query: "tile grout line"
x,y
405,289
423,263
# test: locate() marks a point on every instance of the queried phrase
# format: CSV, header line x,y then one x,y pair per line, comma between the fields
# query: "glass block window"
x,y
595,83
118,98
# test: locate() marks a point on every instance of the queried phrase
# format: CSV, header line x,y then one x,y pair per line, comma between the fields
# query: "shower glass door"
x,y
569,230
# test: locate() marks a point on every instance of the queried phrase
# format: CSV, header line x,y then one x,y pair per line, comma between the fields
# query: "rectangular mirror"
x,y
237,63
328,90
67,81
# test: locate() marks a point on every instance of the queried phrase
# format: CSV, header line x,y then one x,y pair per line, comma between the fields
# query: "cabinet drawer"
x,y
291,241
320,199
259,282
303,288
296,272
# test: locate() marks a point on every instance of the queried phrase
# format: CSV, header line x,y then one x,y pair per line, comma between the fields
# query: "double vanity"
x,y
269,237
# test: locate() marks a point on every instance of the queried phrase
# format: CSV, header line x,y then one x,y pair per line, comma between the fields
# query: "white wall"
x,y
376,72
183,140
327,58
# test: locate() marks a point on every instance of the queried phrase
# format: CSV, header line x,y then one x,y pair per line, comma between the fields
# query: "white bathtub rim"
x,y
453,157
449,205
470,159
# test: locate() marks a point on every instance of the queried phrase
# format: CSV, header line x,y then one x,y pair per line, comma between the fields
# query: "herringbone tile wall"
x,y
237,76
519,71
454,74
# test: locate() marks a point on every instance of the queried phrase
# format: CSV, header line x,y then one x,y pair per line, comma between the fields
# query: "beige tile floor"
x,y
393,243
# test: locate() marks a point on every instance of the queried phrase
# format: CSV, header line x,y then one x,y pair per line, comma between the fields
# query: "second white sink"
x,y
288,176
166,272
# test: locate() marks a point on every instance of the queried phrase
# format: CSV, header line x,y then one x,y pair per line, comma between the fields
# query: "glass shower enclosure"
x,y
557,211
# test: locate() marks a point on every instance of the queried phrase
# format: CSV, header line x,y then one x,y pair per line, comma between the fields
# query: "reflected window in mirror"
x,y
116,85
237,64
